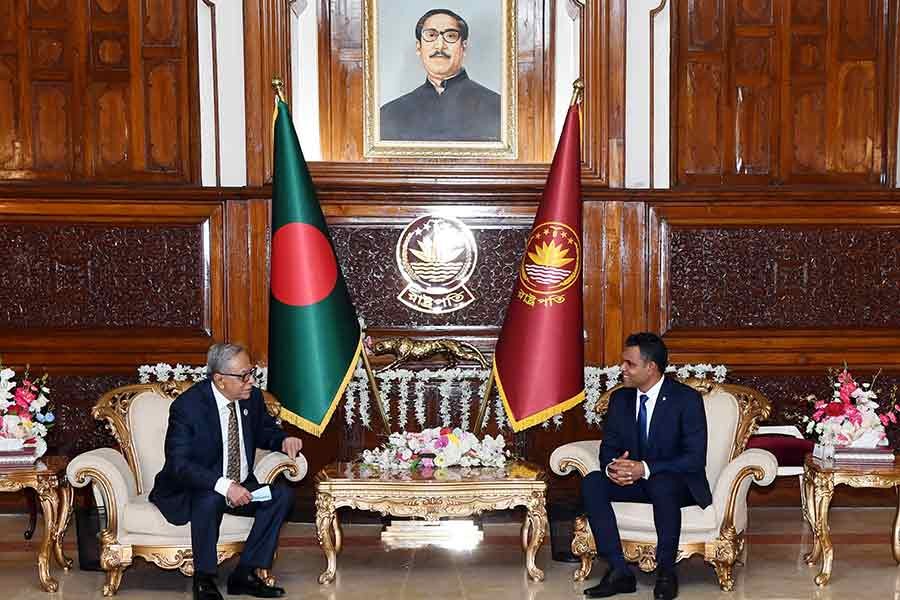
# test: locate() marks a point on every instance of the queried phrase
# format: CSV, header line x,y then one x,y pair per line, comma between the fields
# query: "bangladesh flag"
x,y
314,335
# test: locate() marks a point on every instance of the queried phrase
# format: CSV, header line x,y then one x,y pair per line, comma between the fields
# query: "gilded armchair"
x,y
716,532
138,415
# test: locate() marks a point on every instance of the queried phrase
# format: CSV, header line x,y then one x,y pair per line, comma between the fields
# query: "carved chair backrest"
x,y
732,414
138,417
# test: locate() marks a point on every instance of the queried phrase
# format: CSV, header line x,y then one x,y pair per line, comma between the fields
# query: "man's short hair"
x,y
460,22
652,348
220,356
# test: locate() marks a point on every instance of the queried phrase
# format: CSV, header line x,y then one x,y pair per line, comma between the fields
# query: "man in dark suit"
x,y
653,452
214,430
448,106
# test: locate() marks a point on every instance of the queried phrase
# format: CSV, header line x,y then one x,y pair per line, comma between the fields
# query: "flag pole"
x,y
479,420
373,384
278,86
577,92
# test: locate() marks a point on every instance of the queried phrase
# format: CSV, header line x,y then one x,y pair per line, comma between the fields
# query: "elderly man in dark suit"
x,y
653,452
214,430
448,106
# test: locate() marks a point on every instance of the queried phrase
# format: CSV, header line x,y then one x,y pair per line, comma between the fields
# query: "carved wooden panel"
x,y
706,19
701,120
98,90
784,277
82,276
367,258
804,94
103,284
755,12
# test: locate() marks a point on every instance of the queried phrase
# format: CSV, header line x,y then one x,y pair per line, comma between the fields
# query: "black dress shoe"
x,y
614,582
248,583
666,587
205,588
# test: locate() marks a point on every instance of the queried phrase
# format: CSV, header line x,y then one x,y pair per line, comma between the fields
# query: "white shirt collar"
x,y
653,392
221,400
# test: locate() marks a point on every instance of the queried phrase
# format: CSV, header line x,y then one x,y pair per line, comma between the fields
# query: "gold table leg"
x,y
326,530
809,509
895,532
536,526
824,493
49,499
64,518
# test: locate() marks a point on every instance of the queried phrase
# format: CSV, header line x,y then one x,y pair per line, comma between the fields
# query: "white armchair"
x,y
138,417
716,532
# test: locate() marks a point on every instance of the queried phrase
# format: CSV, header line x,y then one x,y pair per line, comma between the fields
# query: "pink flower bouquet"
x,y
852,416
25,411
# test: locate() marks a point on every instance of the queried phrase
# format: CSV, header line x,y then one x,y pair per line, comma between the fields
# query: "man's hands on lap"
x,y
238,495
623,471
291,446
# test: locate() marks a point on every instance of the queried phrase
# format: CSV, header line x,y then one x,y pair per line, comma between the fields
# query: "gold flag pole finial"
x,y
278,86
577,92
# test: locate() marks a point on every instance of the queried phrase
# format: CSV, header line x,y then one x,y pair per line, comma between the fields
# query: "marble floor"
x,y
773,568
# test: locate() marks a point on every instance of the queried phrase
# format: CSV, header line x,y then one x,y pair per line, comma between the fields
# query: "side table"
x,y
819,479
47,478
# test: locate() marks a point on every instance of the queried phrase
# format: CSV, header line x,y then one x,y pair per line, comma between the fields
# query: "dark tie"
x,y
642,423
234,446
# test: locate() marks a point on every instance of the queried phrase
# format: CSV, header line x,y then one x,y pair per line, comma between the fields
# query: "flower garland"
x,y
456,390
437,448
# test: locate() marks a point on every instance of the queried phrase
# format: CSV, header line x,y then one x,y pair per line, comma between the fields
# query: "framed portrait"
x,y
440,79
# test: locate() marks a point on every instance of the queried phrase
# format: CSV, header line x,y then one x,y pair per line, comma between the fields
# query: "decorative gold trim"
x,y
429,500
567,464
114,407
506,148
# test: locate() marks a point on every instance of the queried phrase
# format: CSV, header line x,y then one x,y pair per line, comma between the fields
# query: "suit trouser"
x,y
667,492
207,510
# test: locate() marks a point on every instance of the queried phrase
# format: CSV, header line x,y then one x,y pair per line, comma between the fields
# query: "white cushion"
x,y
632,515
148,421
722,418
142,516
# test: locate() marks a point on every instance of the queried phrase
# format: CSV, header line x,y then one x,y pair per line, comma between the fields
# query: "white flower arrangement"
x,y
437,448
456,390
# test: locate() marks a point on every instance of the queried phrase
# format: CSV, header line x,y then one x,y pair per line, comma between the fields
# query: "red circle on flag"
x,y
303,267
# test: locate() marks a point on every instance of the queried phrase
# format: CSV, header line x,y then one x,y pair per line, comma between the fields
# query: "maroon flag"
x,y
539,359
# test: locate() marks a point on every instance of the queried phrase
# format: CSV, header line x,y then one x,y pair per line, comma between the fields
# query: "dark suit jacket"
x,y
465,112
677,439
193,447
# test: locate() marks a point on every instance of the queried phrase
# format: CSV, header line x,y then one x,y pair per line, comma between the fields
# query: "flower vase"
x,y
869,439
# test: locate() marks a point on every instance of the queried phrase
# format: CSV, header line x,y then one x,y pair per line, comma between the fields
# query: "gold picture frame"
x,y
492,32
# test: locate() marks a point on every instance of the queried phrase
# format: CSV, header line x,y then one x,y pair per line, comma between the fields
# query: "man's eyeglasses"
x,y
246,376
451,36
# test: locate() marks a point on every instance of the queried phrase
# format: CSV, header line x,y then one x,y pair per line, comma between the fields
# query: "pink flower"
x,y
427,463
845,377
892,417
884,419
847,390
441,442
817,416
834,409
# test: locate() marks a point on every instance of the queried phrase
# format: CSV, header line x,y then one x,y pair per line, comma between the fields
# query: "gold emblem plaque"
x,y
436,256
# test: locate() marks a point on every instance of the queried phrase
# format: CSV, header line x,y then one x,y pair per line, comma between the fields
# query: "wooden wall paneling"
x,y
267,47
606,116
80,88
800,91
260,233
594,280
772,328
111,284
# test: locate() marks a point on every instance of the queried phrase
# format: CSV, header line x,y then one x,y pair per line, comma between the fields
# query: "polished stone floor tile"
x,y
367,570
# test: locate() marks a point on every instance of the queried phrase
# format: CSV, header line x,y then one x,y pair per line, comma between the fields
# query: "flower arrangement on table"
x,y
437,448
851,416
25,411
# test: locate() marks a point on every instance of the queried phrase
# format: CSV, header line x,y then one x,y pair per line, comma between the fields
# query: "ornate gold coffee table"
x,y
819,479
453,492
47,478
